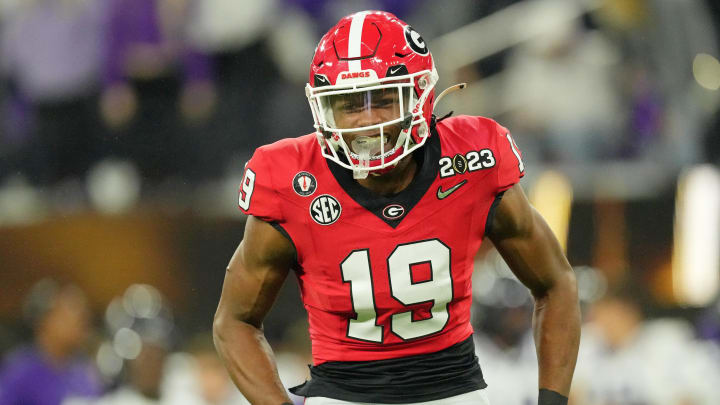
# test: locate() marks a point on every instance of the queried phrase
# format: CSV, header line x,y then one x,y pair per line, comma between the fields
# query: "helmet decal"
x,y
355,41
415,41
320,80
397,70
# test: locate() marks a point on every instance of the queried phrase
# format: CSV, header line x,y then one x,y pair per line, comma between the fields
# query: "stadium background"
x,y
125,124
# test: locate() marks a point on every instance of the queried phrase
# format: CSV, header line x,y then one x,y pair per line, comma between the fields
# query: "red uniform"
x,y
385,277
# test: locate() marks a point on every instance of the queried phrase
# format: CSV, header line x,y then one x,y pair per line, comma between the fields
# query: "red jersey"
x,y
384,277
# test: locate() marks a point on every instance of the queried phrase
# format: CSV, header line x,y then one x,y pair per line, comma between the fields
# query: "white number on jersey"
x,y
438,290
246,189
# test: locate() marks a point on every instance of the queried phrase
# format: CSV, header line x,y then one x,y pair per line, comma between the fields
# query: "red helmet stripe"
x,y
354,42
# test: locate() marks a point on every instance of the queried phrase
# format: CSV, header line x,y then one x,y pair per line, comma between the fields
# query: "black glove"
x,y
550,397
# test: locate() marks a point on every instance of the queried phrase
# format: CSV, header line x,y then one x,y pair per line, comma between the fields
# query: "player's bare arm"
x,y
252,281
529,247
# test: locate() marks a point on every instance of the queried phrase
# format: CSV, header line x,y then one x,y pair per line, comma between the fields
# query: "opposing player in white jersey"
x,y
626,359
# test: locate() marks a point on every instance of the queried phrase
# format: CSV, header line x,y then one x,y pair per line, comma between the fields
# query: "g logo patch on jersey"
x,y
325,209
393,211
304,184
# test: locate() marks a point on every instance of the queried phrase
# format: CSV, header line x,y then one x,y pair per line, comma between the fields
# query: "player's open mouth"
x,y
378,157
375,153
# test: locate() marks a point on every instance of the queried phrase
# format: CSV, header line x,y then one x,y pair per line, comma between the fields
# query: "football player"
x,y
379,213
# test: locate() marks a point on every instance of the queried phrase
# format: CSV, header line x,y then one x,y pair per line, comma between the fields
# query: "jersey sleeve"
x,y
510,167
257,194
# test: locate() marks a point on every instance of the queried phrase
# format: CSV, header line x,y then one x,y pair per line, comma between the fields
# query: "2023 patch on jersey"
x,y
385,276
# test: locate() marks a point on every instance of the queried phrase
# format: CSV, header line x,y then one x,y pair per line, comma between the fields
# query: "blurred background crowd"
x,y
125,125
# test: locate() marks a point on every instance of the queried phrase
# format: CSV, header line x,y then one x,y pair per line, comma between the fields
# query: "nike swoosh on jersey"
x,y
443,194
392,71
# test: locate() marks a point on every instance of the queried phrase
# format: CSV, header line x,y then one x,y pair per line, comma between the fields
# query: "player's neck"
x,y
394,181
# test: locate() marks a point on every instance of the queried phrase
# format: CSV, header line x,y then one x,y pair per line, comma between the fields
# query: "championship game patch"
x,y
459,163
325,209
304,184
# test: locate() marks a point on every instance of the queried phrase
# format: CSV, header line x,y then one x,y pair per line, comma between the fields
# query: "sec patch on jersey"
x,y
325,209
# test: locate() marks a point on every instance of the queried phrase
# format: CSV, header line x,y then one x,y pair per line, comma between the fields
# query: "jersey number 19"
x,y
437,289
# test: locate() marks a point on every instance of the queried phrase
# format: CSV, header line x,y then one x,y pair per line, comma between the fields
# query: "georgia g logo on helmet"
x,y
415,41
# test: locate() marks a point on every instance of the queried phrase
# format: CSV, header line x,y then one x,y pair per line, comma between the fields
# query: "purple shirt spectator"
x,y
27,378
139,44
52,49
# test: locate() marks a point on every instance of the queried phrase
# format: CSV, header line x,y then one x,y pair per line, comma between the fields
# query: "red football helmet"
x,y
371,85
